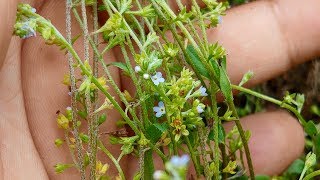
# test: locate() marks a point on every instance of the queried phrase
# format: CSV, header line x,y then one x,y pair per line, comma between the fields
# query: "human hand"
x,y
267,37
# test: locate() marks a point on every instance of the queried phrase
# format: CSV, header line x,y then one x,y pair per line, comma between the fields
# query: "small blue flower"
x,y
203,91
220,19
180,162
30,32
160,109
157,79
200,109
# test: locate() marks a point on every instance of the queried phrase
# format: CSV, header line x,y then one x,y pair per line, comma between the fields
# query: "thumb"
x,y
7,17
8,10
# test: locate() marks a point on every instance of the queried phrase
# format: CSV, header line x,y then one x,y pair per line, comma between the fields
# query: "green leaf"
x,y
311,128
225,85
215,66
246,77
84,138
114,41
102,119
221,134
262,177
314,109
224,63
73,40
154,62
155,131
317,144
296,167
137,176
120,65
151,38
196,62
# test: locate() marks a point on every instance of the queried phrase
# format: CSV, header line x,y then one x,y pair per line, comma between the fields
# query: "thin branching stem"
x,y
112,158
73,93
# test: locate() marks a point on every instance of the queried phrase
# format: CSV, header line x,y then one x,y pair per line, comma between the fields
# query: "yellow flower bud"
x,y
63,121
102,81
127,95
66,80
101,168
58,142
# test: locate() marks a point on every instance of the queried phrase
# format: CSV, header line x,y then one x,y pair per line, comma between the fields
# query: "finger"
x,y
7,19
269,37
7,16
43,70
277,139
19,158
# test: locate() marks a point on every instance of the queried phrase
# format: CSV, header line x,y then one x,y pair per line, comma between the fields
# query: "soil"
x,y
301,79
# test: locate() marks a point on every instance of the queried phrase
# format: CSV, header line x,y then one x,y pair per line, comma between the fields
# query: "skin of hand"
x,y
267,37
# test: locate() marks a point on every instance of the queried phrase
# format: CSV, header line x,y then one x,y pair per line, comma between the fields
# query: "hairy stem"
x,y
73,93
111,157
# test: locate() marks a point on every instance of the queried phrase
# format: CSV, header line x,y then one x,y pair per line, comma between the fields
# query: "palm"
x,y
31,93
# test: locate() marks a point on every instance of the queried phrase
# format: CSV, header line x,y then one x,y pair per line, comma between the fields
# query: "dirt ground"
x,y
302,79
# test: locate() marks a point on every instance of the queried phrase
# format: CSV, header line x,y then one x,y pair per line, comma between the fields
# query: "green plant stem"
x,y
224,159
93,126
203,28
111,80
111,157
180,25
88,103
131,124
102,89
181,45
202,131
131,32
202,43
135,80
149,25
73,94
311,175
273,100
141,162
140,28
216,118
243,139
193,156
241,157
66,136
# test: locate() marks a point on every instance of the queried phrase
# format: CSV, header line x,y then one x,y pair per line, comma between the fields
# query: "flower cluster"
x,y
181,92
28,22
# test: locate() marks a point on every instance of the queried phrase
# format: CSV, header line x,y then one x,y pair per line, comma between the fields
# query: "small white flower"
x,y
146,76
157,79
220,19
70,93
200,109
30,31
137,69
178,162
68,108
33,10
158,174
160,109
203,91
